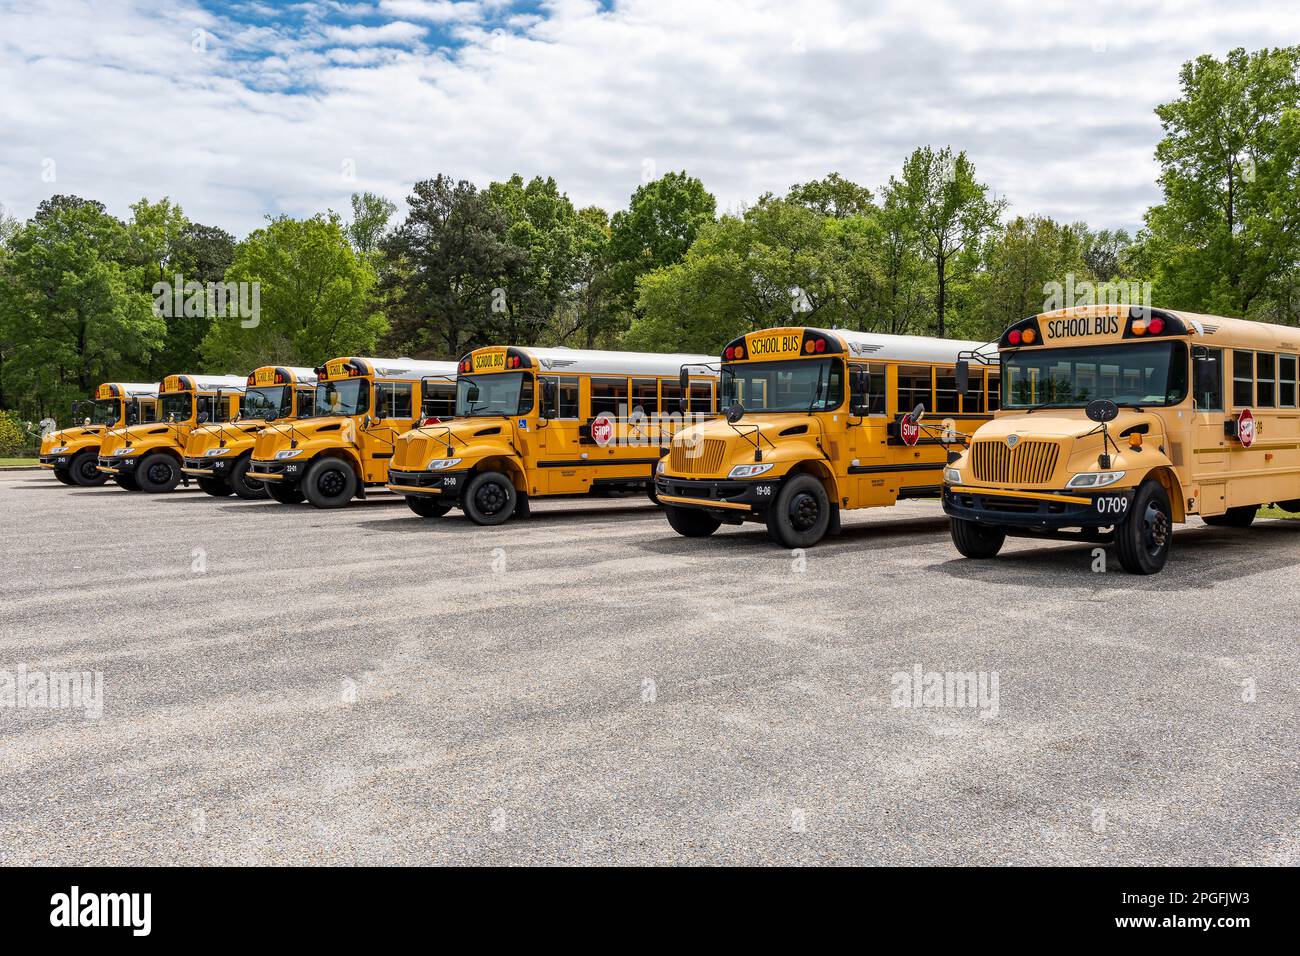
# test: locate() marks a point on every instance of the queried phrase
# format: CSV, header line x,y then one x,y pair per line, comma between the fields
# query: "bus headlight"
x,y
749,471
659,468
442,464
952,476
284,453
1094,479
216,452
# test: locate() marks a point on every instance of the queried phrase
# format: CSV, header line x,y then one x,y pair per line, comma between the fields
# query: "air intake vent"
x,y
794,430
702,459
1029,463
488,431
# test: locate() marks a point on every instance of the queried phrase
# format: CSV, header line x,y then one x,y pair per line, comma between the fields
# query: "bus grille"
x,y
1029,463
703,459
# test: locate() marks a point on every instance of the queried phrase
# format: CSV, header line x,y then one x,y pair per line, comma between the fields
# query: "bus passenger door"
x,y
391,414
557,436
1208,461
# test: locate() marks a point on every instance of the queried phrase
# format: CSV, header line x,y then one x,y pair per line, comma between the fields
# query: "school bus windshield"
x,y
178,406
270,401
502,393
104,411
1153,373
800,385
348,397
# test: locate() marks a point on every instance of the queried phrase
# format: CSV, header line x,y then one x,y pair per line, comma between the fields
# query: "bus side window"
x,y
914,388
1286,381
609,395
645,395
671,393
701,398
566,397
149,410
972,403
394,398
1207,381
439,399
995,391
1265,379
875,386
945,391
1243,378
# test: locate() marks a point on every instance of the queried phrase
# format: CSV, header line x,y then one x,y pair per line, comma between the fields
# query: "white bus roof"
x,y
598,362
210,383
136,389
906,348
407,368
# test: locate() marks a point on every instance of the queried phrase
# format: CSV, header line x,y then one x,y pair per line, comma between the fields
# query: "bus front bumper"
x,y
118,466
208,467
427,484
727,498
55,461
285,472
1037,510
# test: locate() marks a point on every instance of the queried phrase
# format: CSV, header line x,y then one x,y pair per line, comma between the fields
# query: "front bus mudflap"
x,y
733,502
1040,513
427,484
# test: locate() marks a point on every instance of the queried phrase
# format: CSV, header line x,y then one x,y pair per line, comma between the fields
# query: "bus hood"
x,y
1059,423
240,435
468,438
67,438
137,436
337,429
713,448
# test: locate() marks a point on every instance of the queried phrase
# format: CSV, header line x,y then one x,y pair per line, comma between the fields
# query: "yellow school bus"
x,y
1118,422
148,457
361,407
72,453
220,454
532,422
817,421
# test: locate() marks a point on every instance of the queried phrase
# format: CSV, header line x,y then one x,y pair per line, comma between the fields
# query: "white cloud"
x,y
433,11
1055,108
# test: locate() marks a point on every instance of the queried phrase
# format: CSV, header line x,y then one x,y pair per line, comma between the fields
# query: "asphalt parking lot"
x,y
287,685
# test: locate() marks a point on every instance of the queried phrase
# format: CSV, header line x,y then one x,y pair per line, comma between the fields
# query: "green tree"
x,y
950,213
370,215
445,270
661,222
833,196
314,292
1228,230
72,310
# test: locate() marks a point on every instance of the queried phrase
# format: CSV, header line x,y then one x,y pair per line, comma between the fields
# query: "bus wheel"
x,y
975,540
330,483
85,472
1241,517
1291,506
63,476
801,513
285,494
157,473
489,498
216,487
426,507
250,489
1142,540
691,522
126,482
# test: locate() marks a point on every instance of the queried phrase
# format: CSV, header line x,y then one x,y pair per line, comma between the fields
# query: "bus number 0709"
x,y
1112,505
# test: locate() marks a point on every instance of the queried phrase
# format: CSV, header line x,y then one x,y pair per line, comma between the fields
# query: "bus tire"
x,y
157,473
1143,539
1291,506
63,476
250,489
216,487
85,472
126,482
285,494
330,483
426,507
691,522
801,513
975,540
490,498
523,507
1242,517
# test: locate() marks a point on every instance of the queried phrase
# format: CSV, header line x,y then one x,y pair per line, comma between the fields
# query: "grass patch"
x,y
17,461
1272,512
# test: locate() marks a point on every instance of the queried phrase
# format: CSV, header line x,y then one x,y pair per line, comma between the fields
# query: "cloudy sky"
x,y
239,110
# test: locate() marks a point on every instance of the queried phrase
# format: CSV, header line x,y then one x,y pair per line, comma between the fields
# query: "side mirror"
x,y
367,421
203,418
132,417
859,392
85,423
684,383
548,399
916,414
1102,410
735,413
963,377
472,393
381,413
